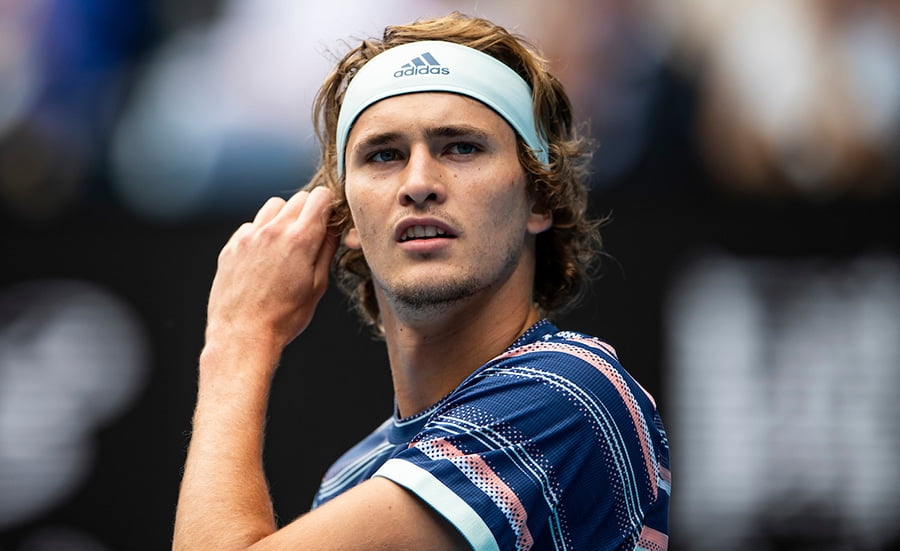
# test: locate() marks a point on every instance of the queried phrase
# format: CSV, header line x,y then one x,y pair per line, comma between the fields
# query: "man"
x,y
451,193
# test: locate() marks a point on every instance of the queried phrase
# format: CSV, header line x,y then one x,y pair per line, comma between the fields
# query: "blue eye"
x,y
384,156
463,148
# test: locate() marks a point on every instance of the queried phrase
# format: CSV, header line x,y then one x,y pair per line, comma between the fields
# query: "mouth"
x,y
417,232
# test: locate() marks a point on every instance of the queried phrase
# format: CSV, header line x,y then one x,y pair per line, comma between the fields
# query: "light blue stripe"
x,y
443,500
664,486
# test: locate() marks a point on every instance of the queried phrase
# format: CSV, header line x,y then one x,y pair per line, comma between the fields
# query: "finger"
x,y
268,211
316,210
322,267
313,223
293,207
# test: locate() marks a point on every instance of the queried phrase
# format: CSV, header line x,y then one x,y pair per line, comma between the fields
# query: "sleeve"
x,y
540,450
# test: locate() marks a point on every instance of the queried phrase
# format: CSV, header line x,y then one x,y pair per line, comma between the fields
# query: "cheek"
x,y
510,200
364,226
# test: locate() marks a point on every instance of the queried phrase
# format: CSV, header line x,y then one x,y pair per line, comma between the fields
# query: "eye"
x,y
463,148
384,156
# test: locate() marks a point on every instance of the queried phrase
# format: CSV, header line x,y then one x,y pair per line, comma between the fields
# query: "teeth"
x,y
417,232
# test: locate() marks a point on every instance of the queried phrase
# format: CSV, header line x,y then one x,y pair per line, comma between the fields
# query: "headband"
x,y
435,66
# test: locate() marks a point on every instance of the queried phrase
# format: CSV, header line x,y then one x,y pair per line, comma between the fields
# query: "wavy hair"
x,y
567,252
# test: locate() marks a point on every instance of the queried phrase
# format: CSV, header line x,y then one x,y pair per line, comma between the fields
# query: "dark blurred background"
x,y
747,154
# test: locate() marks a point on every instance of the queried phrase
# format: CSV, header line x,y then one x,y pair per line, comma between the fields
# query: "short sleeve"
x,y
546,447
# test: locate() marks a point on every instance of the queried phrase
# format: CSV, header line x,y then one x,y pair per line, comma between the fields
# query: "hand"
x,y
273,271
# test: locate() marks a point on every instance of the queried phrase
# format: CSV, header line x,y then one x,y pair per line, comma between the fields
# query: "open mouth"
x,y
424,232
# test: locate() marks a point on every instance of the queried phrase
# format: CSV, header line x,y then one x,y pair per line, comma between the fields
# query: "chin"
x,y
434,294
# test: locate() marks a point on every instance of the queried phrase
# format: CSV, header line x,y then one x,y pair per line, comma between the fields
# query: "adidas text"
x,y
425,70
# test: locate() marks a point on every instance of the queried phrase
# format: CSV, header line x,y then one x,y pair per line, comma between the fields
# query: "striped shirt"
x,y
551,445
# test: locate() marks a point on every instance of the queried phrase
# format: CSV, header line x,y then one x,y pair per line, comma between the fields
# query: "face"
x,y
439,202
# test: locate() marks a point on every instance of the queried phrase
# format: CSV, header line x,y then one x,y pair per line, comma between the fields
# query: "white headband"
x,y
435,66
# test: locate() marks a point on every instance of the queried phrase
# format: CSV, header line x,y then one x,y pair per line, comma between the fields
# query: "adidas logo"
x,y
424,64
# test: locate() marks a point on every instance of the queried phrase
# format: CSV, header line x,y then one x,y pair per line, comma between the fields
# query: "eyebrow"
x,y
376,140
455,131
446,131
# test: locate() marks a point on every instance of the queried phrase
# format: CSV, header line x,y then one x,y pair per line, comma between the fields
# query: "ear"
x,y
351,239
539,221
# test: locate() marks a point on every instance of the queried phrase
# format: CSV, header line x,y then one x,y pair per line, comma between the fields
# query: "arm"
x,y
270,277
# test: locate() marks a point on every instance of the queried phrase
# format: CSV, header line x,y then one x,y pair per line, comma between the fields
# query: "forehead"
x,y
409,112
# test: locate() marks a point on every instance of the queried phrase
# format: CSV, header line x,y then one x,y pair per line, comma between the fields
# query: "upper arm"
x,y
375,515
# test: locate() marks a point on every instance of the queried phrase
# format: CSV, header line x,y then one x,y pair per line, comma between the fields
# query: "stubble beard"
x,y
433,297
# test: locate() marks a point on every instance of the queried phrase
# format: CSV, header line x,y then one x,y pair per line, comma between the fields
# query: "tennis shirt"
x,y
550,445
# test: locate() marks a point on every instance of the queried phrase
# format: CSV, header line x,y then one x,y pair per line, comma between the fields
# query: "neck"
x,y
431,355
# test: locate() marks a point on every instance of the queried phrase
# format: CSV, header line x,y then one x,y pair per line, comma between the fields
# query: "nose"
x,y
423,180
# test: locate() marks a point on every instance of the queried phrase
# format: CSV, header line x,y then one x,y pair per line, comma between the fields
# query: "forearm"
x,y
224,501
269,278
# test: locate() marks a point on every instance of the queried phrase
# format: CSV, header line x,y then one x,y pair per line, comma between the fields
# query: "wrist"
x,y
238,359
224,337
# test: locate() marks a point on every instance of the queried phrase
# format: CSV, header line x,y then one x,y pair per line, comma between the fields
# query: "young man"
x,y
451,197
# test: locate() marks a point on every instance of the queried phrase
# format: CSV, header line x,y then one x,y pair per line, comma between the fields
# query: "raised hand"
x,y
273,271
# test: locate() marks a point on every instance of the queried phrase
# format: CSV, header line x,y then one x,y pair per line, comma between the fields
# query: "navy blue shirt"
x,y
551,445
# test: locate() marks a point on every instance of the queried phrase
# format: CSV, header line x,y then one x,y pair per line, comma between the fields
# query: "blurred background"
x,y
747,153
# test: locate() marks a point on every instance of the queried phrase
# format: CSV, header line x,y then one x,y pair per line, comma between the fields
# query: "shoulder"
x,y
559,363
547,387
559,392
552,349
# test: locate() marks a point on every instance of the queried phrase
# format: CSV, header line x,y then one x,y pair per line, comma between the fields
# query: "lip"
x,y
401,228
424,246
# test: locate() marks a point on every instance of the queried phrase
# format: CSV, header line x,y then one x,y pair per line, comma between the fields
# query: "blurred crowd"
x,y
173,110
800,96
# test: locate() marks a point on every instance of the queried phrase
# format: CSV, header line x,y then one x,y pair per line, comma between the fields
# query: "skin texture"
x,y
428,160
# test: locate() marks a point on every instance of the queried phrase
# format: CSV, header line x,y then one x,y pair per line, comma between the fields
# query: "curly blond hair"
x,y
565,253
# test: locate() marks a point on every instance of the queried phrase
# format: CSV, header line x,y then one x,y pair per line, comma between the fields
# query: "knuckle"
x,y
273,201
269,232
301,236
236,240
